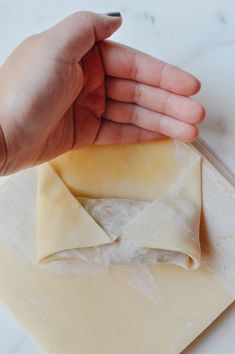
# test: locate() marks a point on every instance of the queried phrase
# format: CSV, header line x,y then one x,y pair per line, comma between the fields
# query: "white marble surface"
x,y
197,35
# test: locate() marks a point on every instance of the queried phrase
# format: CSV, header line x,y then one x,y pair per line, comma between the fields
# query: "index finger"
x,y
127,63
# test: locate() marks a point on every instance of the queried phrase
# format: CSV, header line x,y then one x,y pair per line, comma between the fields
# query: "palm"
x,y
90,104
109,97
79,125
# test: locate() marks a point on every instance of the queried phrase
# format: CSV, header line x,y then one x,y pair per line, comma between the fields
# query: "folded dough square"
x,y
117,204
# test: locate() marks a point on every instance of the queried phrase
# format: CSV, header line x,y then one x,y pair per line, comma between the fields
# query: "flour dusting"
x,y
18,224
142,280
218,227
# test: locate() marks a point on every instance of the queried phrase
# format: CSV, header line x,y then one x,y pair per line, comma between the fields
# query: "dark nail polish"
x,y
114,14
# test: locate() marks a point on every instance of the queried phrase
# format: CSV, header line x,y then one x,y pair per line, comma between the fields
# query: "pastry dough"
x,y
69,225
172,223
149,172
157,309
131,171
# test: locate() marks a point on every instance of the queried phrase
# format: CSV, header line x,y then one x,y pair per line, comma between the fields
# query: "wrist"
x,y
3,153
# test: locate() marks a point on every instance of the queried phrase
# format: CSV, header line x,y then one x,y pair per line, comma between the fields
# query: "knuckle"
x,y
133,69
166,103
85,18
134,117
137,93
160,125
162,71
85,15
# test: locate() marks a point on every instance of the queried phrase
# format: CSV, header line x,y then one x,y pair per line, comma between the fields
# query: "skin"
x,y
69,87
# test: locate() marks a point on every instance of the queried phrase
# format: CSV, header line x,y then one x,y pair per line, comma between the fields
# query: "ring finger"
x,y
147,119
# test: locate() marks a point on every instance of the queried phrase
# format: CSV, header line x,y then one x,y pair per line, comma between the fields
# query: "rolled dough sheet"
x,y
121,309
105,314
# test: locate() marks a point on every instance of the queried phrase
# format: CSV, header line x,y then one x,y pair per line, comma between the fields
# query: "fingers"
x,y
124,62
155,99
117,133
76,34
143,118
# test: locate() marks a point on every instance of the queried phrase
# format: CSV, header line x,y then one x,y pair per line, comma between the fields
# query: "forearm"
x,y
3,153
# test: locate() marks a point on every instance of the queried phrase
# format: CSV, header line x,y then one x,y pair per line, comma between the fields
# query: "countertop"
x,y
196,35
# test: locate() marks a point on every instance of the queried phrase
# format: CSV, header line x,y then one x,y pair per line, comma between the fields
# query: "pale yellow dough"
x,y
113,312
172,223
145,172
132,171
69,225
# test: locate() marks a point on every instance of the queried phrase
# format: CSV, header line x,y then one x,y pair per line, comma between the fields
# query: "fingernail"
x,y
114,14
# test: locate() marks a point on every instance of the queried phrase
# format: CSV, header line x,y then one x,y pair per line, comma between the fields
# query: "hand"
x,y
68,88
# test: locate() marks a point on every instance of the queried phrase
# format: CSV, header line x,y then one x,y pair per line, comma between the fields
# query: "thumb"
x,y
74,36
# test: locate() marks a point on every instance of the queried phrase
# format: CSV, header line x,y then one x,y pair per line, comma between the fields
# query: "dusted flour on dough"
x,y
218,227
17,236
112,215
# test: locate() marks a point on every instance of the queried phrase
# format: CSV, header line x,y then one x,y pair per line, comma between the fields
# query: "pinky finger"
x,y
119,133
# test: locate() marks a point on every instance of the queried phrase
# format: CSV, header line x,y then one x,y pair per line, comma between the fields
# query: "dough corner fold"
x,y
172,223
150,172
63,223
